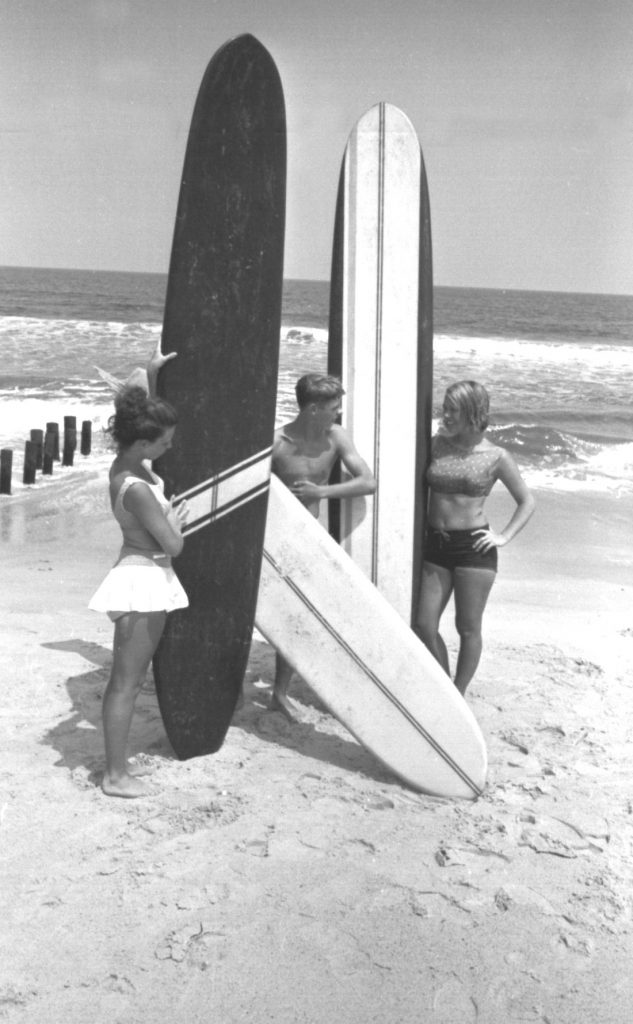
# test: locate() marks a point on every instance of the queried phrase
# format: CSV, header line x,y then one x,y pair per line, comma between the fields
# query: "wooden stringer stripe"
x,y
221,494
218,513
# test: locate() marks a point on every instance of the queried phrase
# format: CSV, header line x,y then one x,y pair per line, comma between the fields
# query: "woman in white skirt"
x,y
141,587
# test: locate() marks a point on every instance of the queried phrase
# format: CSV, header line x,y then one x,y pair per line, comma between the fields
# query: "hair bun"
x,y
131,400
139,417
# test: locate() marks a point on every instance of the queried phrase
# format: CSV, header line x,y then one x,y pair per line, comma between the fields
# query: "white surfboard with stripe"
x,y
376,341
220,495
354,650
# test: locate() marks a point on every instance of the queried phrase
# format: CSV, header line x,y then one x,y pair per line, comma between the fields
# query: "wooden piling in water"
x,y
41,451
37,437
70,440
50,441
6,468
54,429
86,437
30,462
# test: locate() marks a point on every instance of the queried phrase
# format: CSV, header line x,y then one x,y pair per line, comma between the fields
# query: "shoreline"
x,y
290,877
570,573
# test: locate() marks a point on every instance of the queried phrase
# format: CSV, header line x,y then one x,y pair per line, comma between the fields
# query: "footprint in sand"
x,y
118,983
452,1003
555,837
341,949
361,845
12,996
255,847
197,945
219,809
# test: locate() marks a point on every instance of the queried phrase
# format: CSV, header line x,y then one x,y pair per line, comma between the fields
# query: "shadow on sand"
x,y
319,738
79,737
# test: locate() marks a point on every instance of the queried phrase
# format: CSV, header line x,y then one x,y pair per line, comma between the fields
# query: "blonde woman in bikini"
x,y
460,554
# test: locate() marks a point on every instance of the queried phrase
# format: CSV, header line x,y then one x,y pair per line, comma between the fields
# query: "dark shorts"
x,y
453,549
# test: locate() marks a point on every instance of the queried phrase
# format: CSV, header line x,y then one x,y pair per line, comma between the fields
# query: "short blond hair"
x,y
472,401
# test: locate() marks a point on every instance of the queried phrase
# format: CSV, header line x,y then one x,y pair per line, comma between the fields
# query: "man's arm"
x,y
361,479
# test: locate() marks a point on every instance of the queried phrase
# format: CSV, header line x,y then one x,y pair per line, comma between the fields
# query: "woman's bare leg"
x,y
435,591
472,587
136,637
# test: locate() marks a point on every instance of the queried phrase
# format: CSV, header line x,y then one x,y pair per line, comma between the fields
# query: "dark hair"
x,y
317,387
138,417
472,400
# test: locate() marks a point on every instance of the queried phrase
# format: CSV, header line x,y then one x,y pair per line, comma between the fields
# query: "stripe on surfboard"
x,y
351,226
212,517
221,494
380,268
373,677
225,474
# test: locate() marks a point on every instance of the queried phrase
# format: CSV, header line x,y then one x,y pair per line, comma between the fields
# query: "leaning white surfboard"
x,y
381,344
354,650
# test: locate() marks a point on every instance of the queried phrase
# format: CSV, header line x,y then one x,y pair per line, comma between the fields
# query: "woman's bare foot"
x,y
125,786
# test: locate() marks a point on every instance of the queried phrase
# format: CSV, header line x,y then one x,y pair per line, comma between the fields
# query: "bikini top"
x,y
453,471
134,533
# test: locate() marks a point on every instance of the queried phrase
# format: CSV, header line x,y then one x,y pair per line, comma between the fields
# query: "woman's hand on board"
x,y
156,362
177,515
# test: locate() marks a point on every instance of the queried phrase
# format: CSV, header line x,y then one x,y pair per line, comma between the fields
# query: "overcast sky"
x,y
524,110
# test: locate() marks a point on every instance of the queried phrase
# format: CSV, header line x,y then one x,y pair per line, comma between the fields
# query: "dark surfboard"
x,y
223,318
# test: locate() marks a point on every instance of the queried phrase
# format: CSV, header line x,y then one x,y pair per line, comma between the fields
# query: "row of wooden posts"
x,y
42,451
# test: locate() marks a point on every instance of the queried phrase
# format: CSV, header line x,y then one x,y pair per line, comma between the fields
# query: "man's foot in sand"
x,y
126,786
279,702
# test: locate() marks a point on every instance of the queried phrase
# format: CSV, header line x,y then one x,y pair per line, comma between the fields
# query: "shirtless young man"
x,y
304,452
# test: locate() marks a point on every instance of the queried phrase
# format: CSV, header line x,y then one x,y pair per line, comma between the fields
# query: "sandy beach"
x,y
290,878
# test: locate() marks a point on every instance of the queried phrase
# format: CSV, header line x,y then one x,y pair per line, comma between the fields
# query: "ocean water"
x,y
559,367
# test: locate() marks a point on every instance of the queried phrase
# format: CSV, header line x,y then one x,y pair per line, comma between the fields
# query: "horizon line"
x,y
325,281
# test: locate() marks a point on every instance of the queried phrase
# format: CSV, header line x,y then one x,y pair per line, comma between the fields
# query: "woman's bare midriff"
x,y
456,511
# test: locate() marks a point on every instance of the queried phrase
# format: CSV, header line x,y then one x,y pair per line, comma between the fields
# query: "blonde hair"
x,y
472,401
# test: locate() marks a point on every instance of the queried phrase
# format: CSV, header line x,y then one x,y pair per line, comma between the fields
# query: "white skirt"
x,y
139,583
